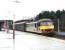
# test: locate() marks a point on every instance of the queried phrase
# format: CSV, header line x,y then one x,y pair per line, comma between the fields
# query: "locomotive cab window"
x,y
46,23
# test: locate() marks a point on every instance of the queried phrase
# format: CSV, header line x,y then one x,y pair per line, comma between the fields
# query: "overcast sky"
x,y
28,8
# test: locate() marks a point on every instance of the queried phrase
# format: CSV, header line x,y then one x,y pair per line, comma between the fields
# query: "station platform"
x,y
29,41
6,41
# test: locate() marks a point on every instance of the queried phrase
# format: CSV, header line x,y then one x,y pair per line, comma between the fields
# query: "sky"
x,y
27,8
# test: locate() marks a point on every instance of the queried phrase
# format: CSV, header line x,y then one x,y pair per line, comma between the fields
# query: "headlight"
x,y
51,26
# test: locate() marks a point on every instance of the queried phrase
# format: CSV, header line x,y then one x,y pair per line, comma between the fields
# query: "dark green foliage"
x,y
58,14
51,14
54,15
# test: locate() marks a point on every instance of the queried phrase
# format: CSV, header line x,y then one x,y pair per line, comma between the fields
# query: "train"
x,y
42,26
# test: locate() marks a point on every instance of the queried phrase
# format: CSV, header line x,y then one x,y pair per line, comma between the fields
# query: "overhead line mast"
x,y
16,1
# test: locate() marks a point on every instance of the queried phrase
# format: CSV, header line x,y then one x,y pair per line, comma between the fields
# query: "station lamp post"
x,y
14,27
16,1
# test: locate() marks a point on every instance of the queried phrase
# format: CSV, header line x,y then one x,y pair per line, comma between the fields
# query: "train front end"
x,y
46,27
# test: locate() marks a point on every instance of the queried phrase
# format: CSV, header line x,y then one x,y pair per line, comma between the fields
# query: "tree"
x,y
62,20
58,15
46,14
52,15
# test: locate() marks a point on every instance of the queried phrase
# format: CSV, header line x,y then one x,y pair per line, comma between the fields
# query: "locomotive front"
x,y
46,26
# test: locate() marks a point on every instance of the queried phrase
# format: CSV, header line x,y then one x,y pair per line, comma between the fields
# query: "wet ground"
x,y
29,41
